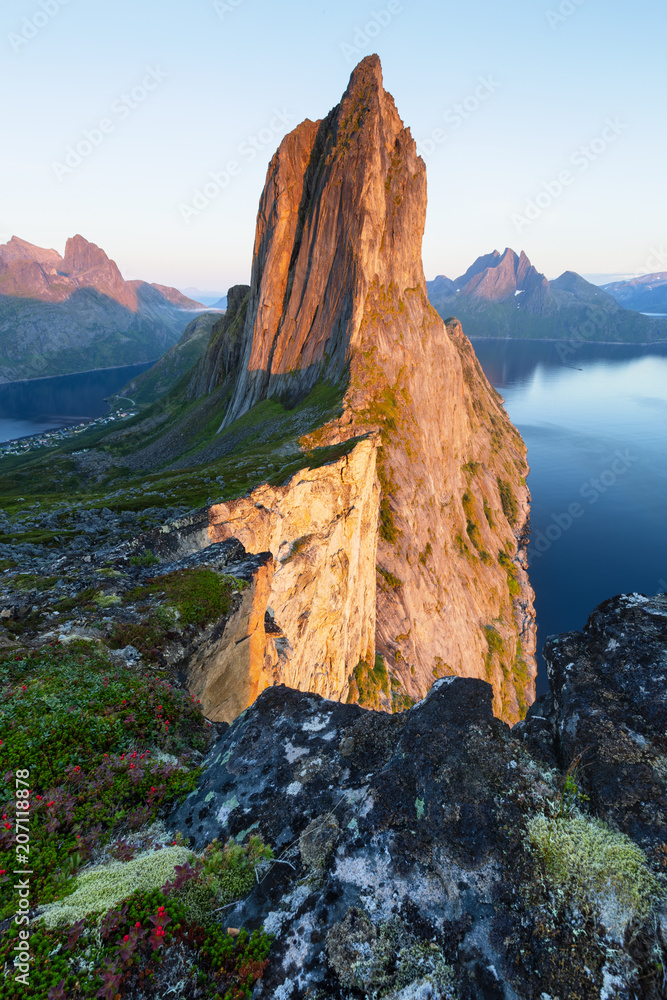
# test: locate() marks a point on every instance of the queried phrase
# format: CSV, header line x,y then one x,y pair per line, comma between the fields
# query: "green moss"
x,y
441,669
588,863
424,556
298,545
508,565
107,600
227,874
471,469
508,501
368,683
389,579
389,531
148,559
27,581
494,640
488,514
400,699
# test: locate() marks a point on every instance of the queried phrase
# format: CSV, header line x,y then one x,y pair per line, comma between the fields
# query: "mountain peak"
x,y
81,255
18,249
338,298
343,208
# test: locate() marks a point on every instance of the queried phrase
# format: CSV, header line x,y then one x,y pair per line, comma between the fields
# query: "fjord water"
x,y
35,405
594,419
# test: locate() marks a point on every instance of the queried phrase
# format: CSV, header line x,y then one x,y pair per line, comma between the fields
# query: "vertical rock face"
x,y
321,528
338,294
222,356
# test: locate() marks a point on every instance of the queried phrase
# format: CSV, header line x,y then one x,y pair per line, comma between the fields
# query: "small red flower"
x,y
8,826
138,924
126,938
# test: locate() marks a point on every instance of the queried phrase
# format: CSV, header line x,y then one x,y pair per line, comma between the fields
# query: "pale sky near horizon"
x,y
501,97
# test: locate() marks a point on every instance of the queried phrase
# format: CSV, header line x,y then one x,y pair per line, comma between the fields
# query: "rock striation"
x,y
338,297
406,844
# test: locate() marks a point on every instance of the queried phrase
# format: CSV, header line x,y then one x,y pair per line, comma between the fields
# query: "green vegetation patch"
x,y
589,864
89,732
508,501
28,581
224,874
368,683
142,947
511,570
199,595
389,579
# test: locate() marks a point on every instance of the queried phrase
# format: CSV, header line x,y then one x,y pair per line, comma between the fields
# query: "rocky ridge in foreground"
x,y
440,854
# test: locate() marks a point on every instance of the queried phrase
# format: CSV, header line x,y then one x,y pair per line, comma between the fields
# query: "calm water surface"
x,y
36,405
595,424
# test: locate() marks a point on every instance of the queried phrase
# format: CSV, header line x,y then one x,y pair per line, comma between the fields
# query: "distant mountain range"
x,y
647,293
503,295
211,299
63,314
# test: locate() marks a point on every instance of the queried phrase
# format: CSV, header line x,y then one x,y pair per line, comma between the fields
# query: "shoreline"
x,y
559,340
87,371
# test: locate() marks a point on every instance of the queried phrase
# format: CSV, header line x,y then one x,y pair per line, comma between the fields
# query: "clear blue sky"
x,y
227,72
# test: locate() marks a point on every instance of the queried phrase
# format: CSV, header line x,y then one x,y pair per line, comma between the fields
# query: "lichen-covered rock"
x,y
607,711
410,857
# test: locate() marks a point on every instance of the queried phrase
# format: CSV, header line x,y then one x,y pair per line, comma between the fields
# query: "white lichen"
x,y
99,889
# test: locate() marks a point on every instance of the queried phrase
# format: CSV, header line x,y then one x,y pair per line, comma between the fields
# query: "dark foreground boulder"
x,y
439,854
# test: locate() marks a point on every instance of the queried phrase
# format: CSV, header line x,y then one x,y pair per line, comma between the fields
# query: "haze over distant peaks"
x,y
646,292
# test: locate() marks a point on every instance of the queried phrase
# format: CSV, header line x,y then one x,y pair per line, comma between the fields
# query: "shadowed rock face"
x,y
408,832
223,355
338,294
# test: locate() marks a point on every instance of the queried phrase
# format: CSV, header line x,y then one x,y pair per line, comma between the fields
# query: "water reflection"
x,y
594,424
